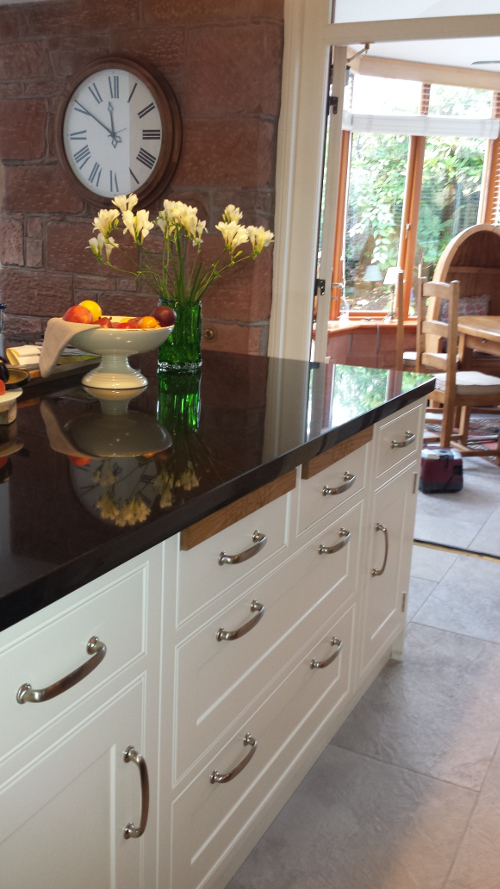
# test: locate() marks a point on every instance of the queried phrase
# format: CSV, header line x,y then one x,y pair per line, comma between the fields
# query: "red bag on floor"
x,y
441,470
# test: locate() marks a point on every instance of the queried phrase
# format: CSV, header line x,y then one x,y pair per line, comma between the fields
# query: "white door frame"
x,y
309,36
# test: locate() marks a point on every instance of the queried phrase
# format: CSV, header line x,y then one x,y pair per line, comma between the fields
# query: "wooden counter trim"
x,y
240,509
333,455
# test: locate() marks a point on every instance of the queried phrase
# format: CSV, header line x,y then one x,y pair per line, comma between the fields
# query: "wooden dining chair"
x,y
456,390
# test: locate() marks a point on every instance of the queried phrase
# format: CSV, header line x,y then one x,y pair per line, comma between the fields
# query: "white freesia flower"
x,y
232,214
104,220
139,226
259,237
125,203
107,507
234,235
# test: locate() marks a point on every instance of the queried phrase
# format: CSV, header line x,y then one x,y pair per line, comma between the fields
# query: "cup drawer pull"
x,y
320,664
218,778
376,572
345,535
349,479
26,693
407,440
237,634
131,831
260,542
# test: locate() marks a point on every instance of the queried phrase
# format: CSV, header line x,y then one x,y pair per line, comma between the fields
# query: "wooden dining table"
x,y
480,333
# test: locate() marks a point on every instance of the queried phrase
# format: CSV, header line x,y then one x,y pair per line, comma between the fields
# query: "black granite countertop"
x,y
86,484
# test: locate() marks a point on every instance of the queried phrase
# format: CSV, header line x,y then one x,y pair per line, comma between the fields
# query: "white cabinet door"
x,y
62,818
389,544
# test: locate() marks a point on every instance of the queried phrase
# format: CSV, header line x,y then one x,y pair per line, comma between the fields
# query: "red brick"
x,y
66,251
12,23
129,285
34,227
47,87
94,282
22,128
246,55
189,11
243,293
34,253
69,55
82,16
231,152
22,61
38,189
165,48
127,304
8,90
11,241
238,338
36,293
21,330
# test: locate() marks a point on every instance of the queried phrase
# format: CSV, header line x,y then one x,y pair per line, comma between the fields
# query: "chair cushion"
x,y
467,305
470,382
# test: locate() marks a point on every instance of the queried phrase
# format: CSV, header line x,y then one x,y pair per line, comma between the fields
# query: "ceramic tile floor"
x,y
407,794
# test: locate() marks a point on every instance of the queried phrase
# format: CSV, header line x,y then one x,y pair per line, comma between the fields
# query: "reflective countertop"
x,y
87,483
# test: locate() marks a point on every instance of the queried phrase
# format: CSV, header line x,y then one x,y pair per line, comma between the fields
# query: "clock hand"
x,y
84,110
115,139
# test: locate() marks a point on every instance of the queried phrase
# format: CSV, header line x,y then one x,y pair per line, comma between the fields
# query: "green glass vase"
x,y
179,402
181,353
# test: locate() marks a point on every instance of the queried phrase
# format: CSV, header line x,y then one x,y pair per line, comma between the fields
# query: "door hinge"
x,y
403,603
333,103
320,285
415,479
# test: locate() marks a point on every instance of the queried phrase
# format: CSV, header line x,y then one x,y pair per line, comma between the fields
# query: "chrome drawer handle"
x,y
26,693
349,478
260,542
377,571
237,634
408,440
320,664
218,778
346,535
131,831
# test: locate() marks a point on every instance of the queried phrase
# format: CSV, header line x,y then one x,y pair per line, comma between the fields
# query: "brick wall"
x,y
223,61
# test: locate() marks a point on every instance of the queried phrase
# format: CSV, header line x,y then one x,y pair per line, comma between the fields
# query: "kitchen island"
x,y
211,576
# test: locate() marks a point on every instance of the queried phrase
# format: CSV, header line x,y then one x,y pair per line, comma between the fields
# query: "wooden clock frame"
x,y
171,122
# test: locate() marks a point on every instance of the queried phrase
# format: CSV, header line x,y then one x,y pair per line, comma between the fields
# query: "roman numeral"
x,y
78,136
114,86
146,158
95,174
133,175
82,155
146,109
95,93
133,91
113,182
151,134
79,107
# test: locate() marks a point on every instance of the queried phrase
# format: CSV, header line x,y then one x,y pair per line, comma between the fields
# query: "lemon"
x,y
93,307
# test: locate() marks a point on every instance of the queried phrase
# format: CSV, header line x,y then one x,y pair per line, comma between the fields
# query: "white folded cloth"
x,y
57,336
21,356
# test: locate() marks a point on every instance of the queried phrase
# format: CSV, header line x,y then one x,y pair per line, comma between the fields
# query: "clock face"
x,y
113,132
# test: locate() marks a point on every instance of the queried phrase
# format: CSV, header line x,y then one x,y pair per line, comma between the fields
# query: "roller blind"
x,y
421,125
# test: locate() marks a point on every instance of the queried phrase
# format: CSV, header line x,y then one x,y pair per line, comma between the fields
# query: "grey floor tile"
x,y
355,823
437,712
430,564
418,593
449,531
467,601
477,865
487,540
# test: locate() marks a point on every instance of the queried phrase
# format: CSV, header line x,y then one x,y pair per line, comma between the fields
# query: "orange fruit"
x,y
147,322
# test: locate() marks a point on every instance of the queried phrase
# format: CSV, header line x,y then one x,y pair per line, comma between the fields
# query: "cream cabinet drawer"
x,y
397,439
206,570
330,488
53,658
218,679
208,818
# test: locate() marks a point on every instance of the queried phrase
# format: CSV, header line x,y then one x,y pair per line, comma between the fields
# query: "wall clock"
x,y
119,131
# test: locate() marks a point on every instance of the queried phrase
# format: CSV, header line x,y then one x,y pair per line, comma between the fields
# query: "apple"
x,y
79,315
2,387
103,322
165,316
93,307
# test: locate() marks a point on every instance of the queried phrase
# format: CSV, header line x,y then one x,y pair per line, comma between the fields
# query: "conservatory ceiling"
x,y
470,52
